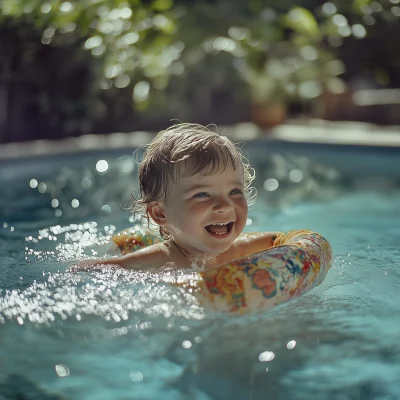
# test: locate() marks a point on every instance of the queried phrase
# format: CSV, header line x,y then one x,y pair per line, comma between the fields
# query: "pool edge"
x,y
314,132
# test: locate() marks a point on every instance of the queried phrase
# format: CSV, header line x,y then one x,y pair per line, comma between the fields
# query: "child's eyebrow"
x,y
205,186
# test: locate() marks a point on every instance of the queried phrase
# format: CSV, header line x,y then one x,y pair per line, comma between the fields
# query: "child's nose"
x,y
222,204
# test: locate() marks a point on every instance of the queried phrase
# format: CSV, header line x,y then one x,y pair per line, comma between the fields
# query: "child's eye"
x,y
236,191
201,194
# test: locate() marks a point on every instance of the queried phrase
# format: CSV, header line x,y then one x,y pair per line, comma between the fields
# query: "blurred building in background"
x,y
96,66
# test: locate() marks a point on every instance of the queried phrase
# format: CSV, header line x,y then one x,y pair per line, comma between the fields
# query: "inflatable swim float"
x,y
298,261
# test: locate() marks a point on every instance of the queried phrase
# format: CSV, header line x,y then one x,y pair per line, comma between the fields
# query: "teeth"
x,y
226,225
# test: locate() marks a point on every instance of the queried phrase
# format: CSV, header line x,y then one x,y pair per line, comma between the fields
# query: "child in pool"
x,y
195,185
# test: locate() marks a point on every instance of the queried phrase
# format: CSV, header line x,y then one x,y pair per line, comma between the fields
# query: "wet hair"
x,y
184,150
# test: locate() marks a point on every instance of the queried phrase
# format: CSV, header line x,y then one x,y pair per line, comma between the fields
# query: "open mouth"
x,y
219,229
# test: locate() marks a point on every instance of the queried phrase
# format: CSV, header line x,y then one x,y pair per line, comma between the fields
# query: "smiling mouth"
x,y
219,229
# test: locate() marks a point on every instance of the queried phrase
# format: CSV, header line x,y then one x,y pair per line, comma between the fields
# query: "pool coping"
x,y
307,132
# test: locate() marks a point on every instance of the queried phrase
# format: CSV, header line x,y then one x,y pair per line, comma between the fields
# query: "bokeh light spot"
x,y
369,19
136,376
266,356
359,31
141,91
309,53
339,20
112,71
75,203
131,38
125,12
99,50
49,33
28,9
271,185
106,208
395,11
93,42
42,187
366,9
86,183
62,370
310,89
296,175
291,345
237,33
329,8
66,7
122,81
102,166
46,8
344,31
376,7
223,43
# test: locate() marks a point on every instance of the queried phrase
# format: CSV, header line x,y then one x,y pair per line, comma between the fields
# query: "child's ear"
x,y
156,212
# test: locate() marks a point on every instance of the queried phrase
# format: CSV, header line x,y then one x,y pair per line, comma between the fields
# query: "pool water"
x,y
114,334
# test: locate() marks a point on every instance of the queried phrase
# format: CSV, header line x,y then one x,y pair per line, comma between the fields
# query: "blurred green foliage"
x,y
100,64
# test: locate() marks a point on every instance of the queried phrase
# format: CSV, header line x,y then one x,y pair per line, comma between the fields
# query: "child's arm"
x,y
254,242
150,257
247,244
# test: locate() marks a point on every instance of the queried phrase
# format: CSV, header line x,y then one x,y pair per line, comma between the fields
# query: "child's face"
x,y
205,214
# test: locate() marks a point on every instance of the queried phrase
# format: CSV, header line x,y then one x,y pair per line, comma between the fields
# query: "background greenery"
x,y
70,68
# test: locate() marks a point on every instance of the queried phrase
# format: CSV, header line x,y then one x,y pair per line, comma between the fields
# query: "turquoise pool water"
x,y
112,334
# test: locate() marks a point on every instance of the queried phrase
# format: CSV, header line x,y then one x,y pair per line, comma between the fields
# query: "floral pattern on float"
x,y
135,238
297,262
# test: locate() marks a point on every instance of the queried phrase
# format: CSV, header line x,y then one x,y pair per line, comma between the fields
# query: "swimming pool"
x,y
118,335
